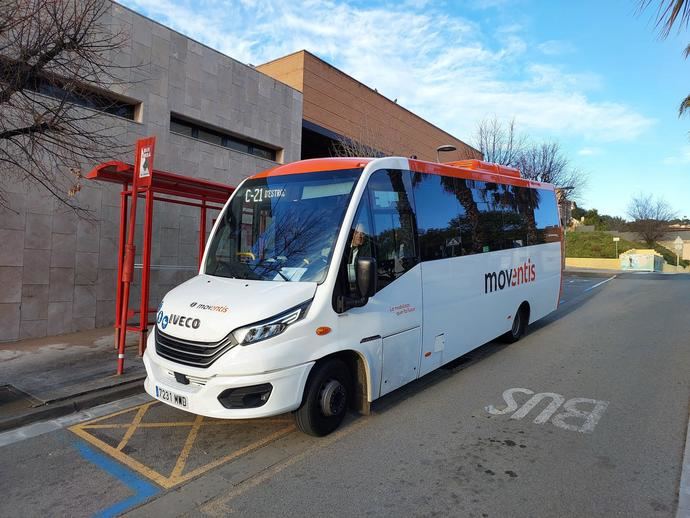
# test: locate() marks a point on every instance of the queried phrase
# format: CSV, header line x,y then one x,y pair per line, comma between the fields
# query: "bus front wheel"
x,y
326,398
517,330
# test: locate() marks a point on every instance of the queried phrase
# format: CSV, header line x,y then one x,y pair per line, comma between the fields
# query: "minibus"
x,y
326,284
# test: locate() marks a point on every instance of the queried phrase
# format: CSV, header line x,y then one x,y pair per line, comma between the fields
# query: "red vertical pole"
x,y
127,274
145,272
202,231
143,166
120,254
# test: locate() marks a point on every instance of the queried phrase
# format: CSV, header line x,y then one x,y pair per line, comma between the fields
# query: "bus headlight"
x,y
271,327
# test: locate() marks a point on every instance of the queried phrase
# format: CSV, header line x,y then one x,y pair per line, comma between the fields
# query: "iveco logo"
x,y
177,320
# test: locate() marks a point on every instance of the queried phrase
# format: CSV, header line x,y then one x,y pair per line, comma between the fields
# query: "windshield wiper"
x,y
270,268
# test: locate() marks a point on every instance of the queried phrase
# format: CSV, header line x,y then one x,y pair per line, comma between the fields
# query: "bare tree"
x,y
546,162
350,147
499,142
368,143
650,217
56,67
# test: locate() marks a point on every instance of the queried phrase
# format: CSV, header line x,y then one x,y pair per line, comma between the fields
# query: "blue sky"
x,y
591,75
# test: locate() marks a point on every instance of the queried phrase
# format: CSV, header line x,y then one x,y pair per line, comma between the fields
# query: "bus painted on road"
x,y
329,283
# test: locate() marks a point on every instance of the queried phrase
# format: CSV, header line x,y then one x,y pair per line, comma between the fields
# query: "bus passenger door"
x,y
399,296
385,228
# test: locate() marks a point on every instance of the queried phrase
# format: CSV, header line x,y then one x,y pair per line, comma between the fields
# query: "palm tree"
x,y
668,13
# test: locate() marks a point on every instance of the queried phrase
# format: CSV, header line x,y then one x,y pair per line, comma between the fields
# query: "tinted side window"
x,y
438,217
394,224
545,215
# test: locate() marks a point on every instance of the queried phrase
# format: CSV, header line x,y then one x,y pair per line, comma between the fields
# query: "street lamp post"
x,y
443,149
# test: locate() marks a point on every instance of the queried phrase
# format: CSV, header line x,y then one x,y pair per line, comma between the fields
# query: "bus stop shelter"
x,y
163,187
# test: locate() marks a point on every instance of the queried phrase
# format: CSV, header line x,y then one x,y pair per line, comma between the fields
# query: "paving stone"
x,y
33,329
9,322
88,235
38,231
84,301
39,201
59,318
61,285
12,249
62,253
10,284
36,266
86,272
105,313
107,256
34,302
13,212
65,223
106,284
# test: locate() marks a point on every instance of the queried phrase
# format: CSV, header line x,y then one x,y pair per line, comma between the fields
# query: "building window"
x,y
212,136
79,94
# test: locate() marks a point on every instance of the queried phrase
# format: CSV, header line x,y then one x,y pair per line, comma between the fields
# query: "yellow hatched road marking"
x,y
134,425
182,459
176,476
123,458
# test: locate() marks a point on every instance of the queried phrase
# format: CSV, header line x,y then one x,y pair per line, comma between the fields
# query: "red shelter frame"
x,y
166,187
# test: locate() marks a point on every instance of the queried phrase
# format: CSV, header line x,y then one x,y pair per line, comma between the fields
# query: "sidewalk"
x,y
49,377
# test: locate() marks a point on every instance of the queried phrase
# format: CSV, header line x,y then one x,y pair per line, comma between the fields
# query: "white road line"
x,y
684,492
599,284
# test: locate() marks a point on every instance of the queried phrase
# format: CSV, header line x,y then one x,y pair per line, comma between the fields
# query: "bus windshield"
x,y
282,228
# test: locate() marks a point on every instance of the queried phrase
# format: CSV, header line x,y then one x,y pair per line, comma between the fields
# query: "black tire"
x,y
519,327
328,387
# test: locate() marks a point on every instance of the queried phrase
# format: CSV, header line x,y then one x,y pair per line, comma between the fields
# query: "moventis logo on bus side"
x,y
510,277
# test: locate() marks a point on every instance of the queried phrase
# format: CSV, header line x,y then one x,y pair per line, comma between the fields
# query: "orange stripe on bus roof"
x,y
417,166
315,165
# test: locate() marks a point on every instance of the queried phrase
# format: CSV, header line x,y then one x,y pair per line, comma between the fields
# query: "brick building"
x,y
337,106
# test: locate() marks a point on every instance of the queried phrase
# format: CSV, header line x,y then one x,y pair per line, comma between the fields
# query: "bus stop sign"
x,y
678,244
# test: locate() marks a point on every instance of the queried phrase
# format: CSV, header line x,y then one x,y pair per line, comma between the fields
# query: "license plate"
x,y
171,397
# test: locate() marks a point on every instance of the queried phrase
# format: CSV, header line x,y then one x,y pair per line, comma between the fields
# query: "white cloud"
x,y
443,67
681,158
589,151
556,47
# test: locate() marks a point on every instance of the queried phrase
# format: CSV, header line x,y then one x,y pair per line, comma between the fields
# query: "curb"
x,y
684,489
62,407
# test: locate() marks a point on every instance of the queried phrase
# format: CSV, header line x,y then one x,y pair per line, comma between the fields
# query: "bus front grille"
x,y
186,352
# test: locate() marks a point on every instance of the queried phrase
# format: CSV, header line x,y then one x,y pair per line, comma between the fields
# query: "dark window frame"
x,y
227,140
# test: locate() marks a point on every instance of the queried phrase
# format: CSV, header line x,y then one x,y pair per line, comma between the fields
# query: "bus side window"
x,y
394,224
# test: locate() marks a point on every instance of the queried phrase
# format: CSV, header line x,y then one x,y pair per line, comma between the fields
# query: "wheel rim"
x,y
517,323
332,398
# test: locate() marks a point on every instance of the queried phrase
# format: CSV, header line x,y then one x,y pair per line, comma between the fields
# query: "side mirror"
x,y
366,276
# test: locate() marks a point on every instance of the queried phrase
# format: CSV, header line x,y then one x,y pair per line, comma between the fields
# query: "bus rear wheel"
x,y
326,398
519,326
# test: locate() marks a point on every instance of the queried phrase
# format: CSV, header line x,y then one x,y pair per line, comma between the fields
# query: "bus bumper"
x,y
201,395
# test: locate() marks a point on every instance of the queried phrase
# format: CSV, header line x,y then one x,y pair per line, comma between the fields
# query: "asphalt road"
x,y
586,416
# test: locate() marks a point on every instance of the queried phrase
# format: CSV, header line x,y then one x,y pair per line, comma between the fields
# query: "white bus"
x,y
329,283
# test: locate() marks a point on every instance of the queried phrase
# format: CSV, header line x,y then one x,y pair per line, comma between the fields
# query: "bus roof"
x,y
469,169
